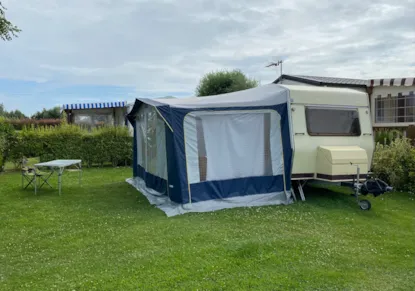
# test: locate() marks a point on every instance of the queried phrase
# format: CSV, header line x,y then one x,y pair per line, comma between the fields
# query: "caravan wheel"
x,y
364,204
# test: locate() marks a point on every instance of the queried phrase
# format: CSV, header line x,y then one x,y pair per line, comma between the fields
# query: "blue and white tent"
x,y
207,153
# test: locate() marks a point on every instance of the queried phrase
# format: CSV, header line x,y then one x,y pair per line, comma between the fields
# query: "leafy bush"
x,y
2,149
386,136
7,141
103,145
395,163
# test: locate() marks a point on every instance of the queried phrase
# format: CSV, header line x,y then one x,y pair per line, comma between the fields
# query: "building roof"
x,y
94,105
392,82
347,82
324,81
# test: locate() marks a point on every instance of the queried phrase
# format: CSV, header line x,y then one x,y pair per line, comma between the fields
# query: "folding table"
x,y
59,166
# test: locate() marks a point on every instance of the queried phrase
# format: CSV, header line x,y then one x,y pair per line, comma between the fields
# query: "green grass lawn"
x,y
104,235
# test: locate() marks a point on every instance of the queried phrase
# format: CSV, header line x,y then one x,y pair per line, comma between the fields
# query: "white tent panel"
x,y
224,145
139,140
277,155
234,145
161,164
191,148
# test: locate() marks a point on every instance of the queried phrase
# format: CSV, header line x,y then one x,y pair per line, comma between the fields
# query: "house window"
x,y
332,121
395,109
94,117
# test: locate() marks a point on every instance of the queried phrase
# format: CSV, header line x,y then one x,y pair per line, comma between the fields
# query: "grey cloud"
x,y
169,45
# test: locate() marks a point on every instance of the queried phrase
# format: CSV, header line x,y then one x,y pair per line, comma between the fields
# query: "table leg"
x,y
35,182
60,180
80,173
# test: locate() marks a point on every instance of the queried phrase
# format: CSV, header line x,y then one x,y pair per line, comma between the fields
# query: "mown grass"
x,y
104,235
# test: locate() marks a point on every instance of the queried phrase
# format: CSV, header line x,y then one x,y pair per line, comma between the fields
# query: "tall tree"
x,y
7,29
11,114
54,113
221,82
16,114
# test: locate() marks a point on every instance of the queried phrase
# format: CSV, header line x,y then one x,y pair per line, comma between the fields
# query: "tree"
x,y
222,82
7,29
12,114
54,113
16,114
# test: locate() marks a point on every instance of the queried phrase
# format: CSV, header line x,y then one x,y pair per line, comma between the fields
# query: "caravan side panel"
x,y
306,145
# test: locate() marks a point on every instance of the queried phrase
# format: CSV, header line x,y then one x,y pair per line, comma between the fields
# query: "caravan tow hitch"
x,y
370,186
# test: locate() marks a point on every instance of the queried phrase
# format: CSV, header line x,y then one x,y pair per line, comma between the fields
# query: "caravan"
x,y
246,148
333,134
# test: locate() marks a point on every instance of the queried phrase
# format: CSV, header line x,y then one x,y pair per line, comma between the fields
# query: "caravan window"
x,y
332,121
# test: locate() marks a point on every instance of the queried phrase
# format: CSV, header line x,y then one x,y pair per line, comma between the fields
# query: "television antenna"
x,y
276,64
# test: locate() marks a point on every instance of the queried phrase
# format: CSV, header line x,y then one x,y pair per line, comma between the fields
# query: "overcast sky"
x,y
110,50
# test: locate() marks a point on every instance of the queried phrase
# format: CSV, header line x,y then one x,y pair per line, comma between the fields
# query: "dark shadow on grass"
x,y
331,197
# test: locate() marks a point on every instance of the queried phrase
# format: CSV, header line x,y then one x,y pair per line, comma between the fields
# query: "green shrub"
x,y
112,145
2,149
386,136
7,141
395,163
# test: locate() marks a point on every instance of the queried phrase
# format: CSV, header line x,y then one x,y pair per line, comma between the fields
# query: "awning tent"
x,y
206,153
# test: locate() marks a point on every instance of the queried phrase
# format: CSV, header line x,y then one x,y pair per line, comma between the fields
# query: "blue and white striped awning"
x,y
94,105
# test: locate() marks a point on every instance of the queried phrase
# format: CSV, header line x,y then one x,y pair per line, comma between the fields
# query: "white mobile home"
x,y
393,102
97,114
244,148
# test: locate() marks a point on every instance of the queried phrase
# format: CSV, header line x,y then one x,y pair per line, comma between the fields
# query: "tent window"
x,y
151,142
234,145
332,121
141,139
224,145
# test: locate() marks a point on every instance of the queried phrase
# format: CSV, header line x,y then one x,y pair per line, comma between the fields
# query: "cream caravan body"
x,y
332,133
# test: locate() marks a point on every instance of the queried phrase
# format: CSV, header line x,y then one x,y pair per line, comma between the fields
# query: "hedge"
x,y
106,145
395,163
7,139
19,124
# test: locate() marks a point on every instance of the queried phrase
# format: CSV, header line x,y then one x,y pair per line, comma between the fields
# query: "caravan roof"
x,y
327,95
